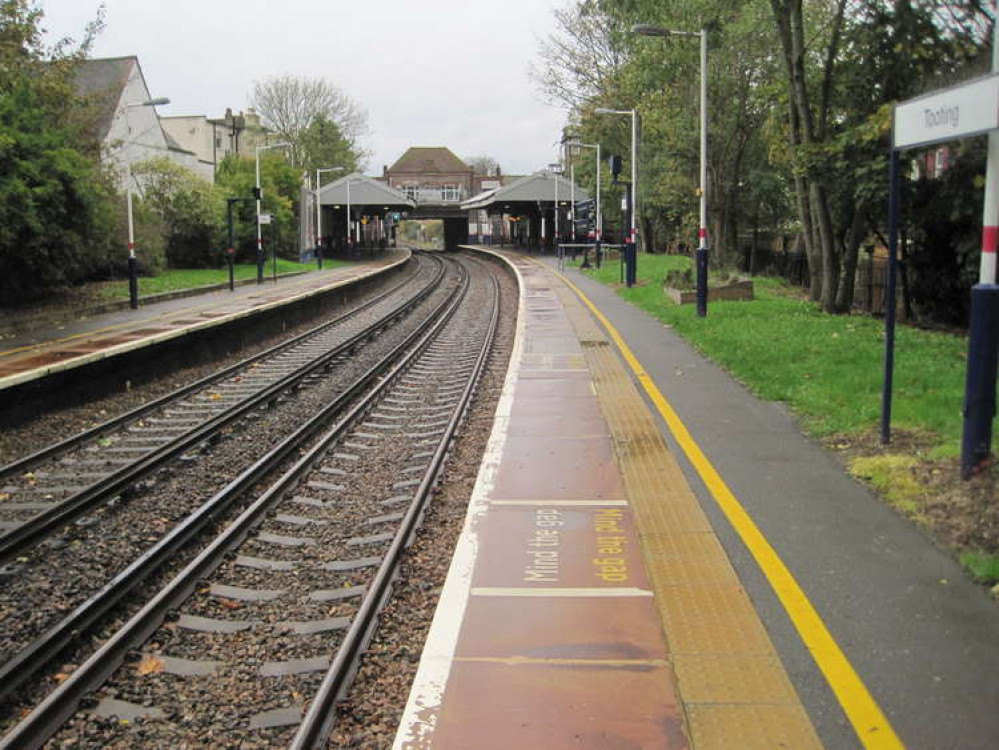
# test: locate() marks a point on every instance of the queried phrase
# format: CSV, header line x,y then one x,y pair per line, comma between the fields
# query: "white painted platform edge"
x,y
419,720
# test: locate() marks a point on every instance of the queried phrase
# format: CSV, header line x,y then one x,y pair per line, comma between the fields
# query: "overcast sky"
x,y
429,72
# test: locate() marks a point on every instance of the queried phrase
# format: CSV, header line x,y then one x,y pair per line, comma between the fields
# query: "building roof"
x,y
423,159
364,191
102,81
533,188
174,145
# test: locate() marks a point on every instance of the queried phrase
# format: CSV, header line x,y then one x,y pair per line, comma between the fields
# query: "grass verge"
x,y
175,279
828,369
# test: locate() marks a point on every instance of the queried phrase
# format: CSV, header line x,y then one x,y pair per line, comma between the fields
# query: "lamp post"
x,y
259,195
133,271
319,214
599,223
555,168
702,232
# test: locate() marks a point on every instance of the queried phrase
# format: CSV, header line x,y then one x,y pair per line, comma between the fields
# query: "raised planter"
x,y
735,291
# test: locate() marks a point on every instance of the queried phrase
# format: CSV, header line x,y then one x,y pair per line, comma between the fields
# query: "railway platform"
x,y
102,341
653,557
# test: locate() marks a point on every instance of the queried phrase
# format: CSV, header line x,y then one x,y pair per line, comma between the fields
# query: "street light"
x,y
133,272
702,232
599,223
633,234
258,195
555,170
319,214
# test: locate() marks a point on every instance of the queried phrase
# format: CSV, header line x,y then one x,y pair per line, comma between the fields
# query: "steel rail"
x,y
318,722
48,716
20,538
26,462
32,657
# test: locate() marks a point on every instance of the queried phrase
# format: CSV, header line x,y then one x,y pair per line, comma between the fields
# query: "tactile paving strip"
x,y
732,685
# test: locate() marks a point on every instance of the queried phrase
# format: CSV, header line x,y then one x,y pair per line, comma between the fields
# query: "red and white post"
x,y
983,333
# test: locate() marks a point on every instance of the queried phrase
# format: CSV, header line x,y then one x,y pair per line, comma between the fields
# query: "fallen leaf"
x,y
216,396
4,496
230,603
150,665
61,677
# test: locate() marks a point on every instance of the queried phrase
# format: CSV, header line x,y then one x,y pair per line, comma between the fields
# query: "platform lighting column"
x,y
133,263
257,194
702,232
555,169
572,200
319,214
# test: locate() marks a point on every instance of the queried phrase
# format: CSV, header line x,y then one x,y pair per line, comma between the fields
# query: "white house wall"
x,y
136,135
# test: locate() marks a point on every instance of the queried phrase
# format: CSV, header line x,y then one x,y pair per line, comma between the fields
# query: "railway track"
x,y
264,626
64,585
52,487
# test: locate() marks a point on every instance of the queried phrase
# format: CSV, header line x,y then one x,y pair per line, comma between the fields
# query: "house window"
x,y
411,191
450,193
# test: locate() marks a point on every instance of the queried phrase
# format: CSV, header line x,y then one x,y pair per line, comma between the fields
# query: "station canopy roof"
x,y
532,190
364,191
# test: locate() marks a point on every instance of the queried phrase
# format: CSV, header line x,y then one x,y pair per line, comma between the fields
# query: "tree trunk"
x,y
782,15
848,279
788,14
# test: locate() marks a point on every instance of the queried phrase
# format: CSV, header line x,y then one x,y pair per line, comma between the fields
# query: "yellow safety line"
x,y
869,722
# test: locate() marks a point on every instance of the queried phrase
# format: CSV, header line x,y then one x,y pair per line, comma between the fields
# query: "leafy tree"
x,y
800,96
190,210
57,219
322,144
280,182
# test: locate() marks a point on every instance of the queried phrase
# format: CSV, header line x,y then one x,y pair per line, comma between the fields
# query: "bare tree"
x,y
289,105
484,165
579,55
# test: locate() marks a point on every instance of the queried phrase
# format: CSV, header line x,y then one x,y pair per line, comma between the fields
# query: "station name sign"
x,y
971,108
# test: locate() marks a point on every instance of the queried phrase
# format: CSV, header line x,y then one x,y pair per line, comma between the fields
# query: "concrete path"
x,y
923,639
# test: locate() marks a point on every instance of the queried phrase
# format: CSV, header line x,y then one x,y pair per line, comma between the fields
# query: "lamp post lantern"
x,y
702,232
133,271
319,214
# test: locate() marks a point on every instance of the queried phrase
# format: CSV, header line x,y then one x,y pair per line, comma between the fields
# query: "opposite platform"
x,y
52,350
589,603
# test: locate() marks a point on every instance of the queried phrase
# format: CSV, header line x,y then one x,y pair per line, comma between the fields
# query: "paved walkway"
x,y
923,641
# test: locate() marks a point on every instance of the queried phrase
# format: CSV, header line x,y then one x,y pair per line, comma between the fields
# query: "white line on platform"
x,y
592,591
563,503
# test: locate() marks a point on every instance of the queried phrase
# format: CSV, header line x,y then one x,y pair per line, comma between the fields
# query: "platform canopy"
x,y
525,193
364,191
